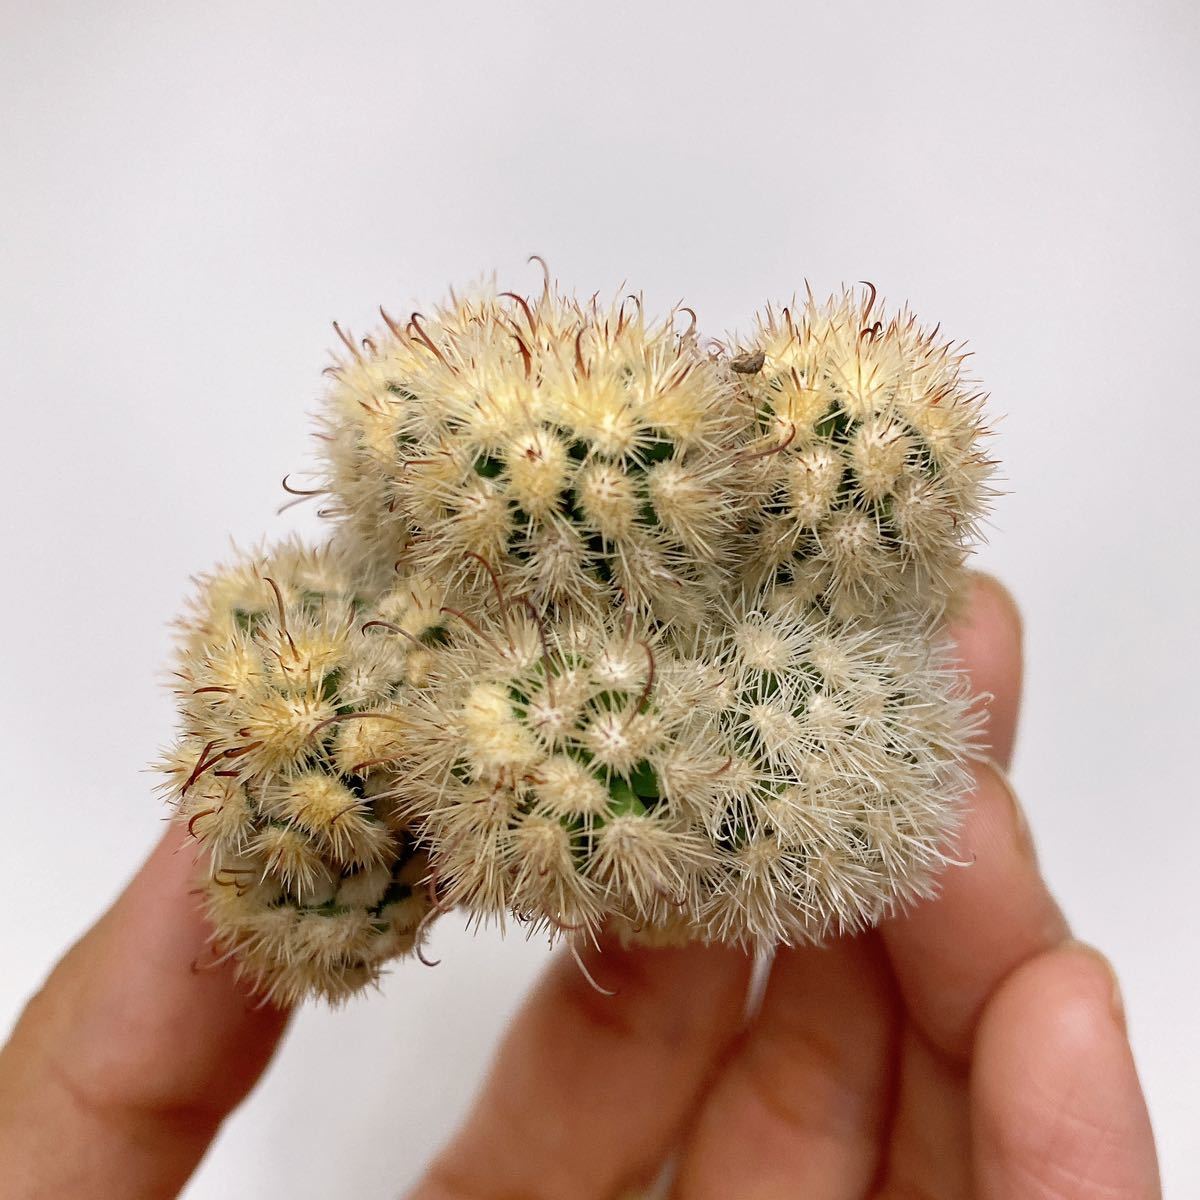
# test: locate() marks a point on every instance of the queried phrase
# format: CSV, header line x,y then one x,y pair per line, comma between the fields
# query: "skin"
x,y
970,1048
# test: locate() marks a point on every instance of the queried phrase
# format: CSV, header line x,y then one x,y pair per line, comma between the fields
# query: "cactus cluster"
x,y
617,628
288,713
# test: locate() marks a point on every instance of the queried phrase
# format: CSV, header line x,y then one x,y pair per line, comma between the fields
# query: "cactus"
x,y
552,770
289,711
614,630
774,777
871,480
846,771
586,453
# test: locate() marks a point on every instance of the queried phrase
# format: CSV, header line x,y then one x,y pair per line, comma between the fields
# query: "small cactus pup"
x,y
587,453
291,707
869,479
774,778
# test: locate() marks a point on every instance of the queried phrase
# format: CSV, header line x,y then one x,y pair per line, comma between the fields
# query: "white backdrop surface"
x,y
190,193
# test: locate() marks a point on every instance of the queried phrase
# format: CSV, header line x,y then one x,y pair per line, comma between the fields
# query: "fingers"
x,y
802,1105
585,1098
989,638
807,1096
1057,1108
995,912
122,1067
929,1151
949,955
589,1091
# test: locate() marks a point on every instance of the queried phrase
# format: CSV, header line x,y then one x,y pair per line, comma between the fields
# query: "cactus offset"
x,y
289,712
870,481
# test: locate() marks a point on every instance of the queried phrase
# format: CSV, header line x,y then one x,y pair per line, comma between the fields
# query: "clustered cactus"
x,y
616,629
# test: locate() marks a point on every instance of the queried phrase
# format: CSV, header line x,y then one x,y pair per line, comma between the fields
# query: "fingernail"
x,y
1021,830
1116,999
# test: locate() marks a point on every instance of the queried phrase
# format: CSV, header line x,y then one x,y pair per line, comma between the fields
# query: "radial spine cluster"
x,y
617,628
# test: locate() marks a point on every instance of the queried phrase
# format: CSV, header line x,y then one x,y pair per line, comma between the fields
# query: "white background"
x,y
189,193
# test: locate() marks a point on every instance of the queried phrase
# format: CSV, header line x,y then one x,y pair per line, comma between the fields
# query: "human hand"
x,y
969,1048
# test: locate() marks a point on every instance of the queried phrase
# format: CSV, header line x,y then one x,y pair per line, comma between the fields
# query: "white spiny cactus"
x,y
846,778
290,711
613,631
548,786
870,478
586,453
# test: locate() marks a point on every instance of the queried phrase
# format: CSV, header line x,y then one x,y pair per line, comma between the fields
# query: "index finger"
x,y
988,639
994,912
123,1066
